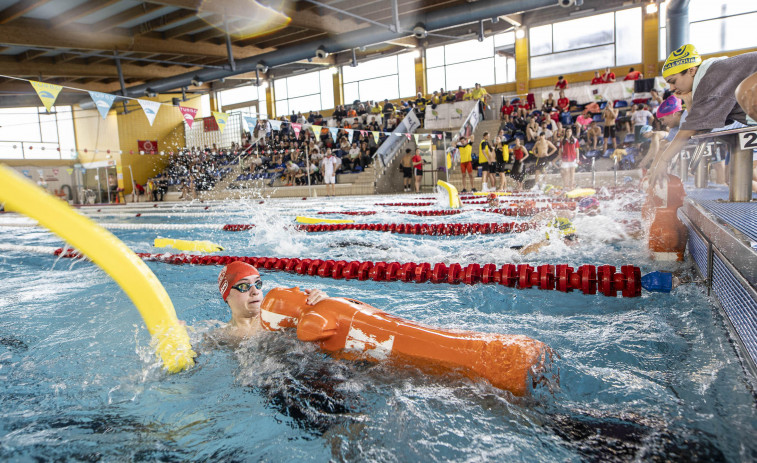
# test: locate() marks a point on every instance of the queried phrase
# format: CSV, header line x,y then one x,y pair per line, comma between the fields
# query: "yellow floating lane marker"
x,y
580,192
185,245
170,337
454,198
312,220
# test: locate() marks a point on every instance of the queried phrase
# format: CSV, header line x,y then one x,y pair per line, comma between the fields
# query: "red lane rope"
x,y
237,227
403,204
349,212
451,229
588,279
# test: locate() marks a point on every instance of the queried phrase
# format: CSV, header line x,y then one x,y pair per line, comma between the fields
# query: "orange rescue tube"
x,y
347,328
667,234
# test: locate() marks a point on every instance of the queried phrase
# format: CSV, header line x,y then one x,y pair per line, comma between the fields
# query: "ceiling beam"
x,y
124,16
29,55
26,32
162,21
191,28
10,66
81,11
19,9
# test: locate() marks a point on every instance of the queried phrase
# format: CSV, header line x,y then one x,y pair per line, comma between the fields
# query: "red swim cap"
x,y
232,273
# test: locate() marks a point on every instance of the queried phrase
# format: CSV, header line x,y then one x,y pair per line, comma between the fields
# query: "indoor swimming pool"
x,y
650,378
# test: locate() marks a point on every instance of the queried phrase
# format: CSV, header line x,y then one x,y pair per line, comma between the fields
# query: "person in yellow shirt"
x,y
468,95
479,93
465,147
486,161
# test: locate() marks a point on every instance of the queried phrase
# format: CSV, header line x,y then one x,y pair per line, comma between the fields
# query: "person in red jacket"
x,y
569,160
563,103
597,79
562,83
418,169
633,75
608,77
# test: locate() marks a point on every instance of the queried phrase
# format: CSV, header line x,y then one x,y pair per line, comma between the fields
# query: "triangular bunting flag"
x,y
375,136
103,101
297,128
252,122
48,93
334,131
352,135
316,129
416,138
398,134
275,125
150,108
70,170
364,133
408,136
221,119
188,114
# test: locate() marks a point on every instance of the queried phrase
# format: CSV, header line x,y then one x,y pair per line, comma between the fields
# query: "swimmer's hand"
x,y
314,296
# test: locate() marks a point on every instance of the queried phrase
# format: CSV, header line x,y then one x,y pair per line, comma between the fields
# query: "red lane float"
x,y
237,227
451,229
588,279
349,212
350,329
403,204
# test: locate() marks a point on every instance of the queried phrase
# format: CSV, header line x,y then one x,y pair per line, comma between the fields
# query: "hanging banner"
x,y
150,108
375,137
252,122
221,119
147,146
297,128
334,131
48,93
416,138
188,114
316,130
103,101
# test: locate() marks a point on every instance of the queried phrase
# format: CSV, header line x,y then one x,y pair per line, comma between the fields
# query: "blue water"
x,y
647,379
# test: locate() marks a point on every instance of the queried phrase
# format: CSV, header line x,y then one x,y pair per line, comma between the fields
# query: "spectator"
x,y
608,77
655,100
420,107
597,79
465,148
633,75
519,155
569,160
639,117
563,103
544,152
138,191
549,103
532,130
459,94
502,158
418,169
485,158
328,168
450,98
582,122
609,114
593,134
406,166
562,83
482,96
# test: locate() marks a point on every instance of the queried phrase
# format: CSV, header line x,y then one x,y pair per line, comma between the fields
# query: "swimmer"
x,y
242,289
492,200
566,230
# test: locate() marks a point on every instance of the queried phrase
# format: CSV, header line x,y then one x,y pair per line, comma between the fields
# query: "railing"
x,y
741,143
392,145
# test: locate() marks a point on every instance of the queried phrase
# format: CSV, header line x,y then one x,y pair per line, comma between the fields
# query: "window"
x,y
389,78
715,25
594,42
313,91
33,133
464,64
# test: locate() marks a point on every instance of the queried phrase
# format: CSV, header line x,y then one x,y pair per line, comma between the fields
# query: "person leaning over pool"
x,y
712,83
242,289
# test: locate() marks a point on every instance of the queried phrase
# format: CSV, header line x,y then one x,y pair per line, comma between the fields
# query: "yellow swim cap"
x,y
681,59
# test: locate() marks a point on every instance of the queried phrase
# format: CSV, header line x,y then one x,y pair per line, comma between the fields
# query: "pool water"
x,y
653,378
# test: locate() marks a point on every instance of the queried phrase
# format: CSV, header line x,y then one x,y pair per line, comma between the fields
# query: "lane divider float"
x,y
446,229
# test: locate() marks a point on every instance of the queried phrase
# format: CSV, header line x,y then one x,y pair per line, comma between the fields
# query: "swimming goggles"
x,y
244,287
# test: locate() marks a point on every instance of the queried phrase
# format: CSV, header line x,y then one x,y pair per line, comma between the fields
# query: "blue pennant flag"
x,y
251,123
333,131
103,101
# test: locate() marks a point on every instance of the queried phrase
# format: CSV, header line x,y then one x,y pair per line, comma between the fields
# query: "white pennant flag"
x,y
150,108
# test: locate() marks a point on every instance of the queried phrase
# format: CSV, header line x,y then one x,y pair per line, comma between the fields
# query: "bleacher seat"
x,y
529,146
602,104
620,104
593,153
608,153
629,138
597,118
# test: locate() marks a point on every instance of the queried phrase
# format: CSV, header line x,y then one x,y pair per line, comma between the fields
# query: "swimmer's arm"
x,y
551,147
659,166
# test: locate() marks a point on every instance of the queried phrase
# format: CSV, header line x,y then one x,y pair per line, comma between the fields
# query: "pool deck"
x,y
723,244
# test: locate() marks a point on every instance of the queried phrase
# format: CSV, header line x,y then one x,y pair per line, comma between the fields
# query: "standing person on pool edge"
x,y
242,289
406,166
712,83
465,147
418,169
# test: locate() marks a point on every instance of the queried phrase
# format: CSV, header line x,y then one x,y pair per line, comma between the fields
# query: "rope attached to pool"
x,y
589,279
